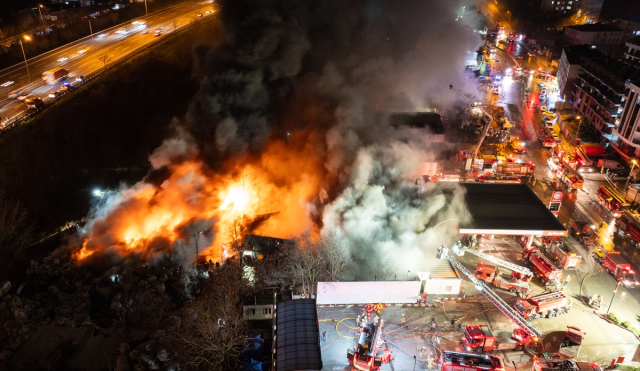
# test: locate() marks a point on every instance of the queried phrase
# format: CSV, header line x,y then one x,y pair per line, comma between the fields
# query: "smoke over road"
x,y
292,118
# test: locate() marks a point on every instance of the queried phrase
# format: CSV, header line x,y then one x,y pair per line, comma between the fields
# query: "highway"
x,y
86,56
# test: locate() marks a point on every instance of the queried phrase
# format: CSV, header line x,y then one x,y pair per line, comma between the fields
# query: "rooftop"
x,y
595,27
576,52
297,336
510,209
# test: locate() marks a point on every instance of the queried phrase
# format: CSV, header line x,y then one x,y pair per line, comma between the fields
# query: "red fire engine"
x,y
611,200
569,159
369,354
629,226
498,179
570,177
549,305
478,339
544,268
490,274
564,256
456,361
563,365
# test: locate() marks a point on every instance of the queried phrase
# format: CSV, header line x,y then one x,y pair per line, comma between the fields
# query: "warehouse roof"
x,y
594,27
508,209
297,336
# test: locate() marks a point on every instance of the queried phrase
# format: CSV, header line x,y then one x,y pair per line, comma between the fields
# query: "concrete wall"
x,y
387,292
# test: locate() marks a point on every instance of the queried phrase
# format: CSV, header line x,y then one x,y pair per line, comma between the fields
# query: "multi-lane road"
x,y
86,56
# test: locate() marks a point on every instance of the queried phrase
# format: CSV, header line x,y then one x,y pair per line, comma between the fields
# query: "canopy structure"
x,y
297,336
508,209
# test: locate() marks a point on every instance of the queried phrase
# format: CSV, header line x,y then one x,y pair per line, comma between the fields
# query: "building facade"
x,y
596,35
628,131
561,7
629,28
600,94
591,10
569,67
632,51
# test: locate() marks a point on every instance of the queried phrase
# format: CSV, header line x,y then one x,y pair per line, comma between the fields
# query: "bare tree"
x,y
384,272
214,339
15,229
104,58
336,252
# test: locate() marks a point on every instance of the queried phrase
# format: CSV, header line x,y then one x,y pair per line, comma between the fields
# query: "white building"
x,y
598,36
628,131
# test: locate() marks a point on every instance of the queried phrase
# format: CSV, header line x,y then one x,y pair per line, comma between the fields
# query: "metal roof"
x,y
297,336
508,209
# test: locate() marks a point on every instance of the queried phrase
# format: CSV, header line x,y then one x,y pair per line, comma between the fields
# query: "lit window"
x,y
556,8
570,2
552,3
568,7
562,7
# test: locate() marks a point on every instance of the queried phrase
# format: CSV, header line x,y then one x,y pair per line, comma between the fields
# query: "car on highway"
x,y
144,32
520,57
122,31
8,83
208,12
549,114
199,15
34,103
54,94
22,96
62,59
65,86
101,35
14,94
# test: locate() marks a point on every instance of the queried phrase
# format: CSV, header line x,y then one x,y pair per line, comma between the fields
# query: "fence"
x,y
32,112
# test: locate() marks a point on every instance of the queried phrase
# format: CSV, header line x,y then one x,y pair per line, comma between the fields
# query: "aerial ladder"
x,y
443,253
526,273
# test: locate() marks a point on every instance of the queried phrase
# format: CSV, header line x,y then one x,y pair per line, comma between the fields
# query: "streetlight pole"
x,y
579,124
509,23
40,11
90,29
25,57
146,12
633,164
614,296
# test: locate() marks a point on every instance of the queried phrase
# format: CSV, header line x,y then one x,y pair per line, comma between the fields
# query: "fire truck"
x,y
618,266
490,274
569,159
521,169
570,345
563,254
544,268
563,365
478,339
629,226
369,354
571,178
548,138
518,273
459,361
611,200
548,305
498,179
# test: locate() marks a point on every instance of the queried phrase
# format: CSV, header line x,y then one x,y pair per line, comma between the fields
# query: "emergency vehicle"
x,y
569,159
517,146
570,345
564,256
369,354
490,274
547,305
541,364
548,138
521,169
543,267
498,179
478,339
620,268
628,226
458,361
611,200
571,178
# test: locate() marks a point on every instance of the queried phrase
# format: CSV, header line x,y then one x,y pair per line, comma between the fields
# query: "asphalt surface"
x,y
83,57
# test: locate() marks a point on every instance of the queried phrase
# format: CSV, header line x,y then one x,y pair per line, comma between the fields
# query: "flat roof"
x,y
508,209
594,27
297,336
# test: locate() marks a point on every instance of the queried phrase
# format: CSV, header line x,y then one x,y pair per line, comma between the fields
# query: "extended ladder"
x,y
493,259
443,253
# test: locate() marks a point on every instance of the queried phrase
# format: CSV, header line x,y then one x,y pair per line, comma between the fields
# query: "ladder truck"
x,y
518,272
369,354
526,327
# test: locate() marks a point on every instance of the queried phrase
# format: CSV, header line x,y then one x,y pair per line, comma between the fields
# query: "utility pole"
x,y
25,57
40,11
90,29
633,164
146,12
614,296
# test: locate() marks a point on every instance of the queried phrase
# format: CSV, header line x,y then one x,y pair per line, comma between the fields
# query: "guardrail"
x,y
32,112
88,37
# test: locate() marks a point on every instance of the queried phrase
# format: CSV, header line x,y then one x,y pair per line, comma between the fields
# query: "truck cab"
x,y
526,309
478,339
570,346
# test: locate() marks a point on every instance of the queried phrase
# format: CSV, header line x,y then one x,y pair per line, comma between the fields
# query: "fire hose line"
x,y
581,285
338,332
396,329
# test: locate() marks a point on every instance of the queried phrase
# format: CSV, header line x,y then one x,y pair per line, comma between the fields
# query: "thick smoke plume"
x,y
291,121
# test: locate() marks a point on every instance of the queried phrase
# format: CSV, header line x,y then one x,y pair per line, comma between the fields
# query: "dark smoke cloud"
x,y
333,70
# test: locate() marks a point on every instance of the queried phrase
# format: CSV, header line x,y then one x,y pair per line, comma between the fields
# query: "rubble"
x,y
131,304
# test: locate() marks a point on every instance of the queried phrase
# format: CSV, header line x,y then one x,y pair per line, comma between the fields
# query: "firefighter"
x,y
430,361
421,352
403,320
433,324
324,336
567,279
375,319
358,321
381,323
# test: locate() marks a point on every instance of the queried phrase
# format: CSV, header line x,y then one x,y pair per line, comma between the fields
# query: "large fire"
x,y
146,219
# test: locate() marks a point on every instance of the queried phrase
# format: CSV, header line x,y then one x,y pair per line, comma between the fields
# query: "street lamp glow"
x,y
97,192
27,37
